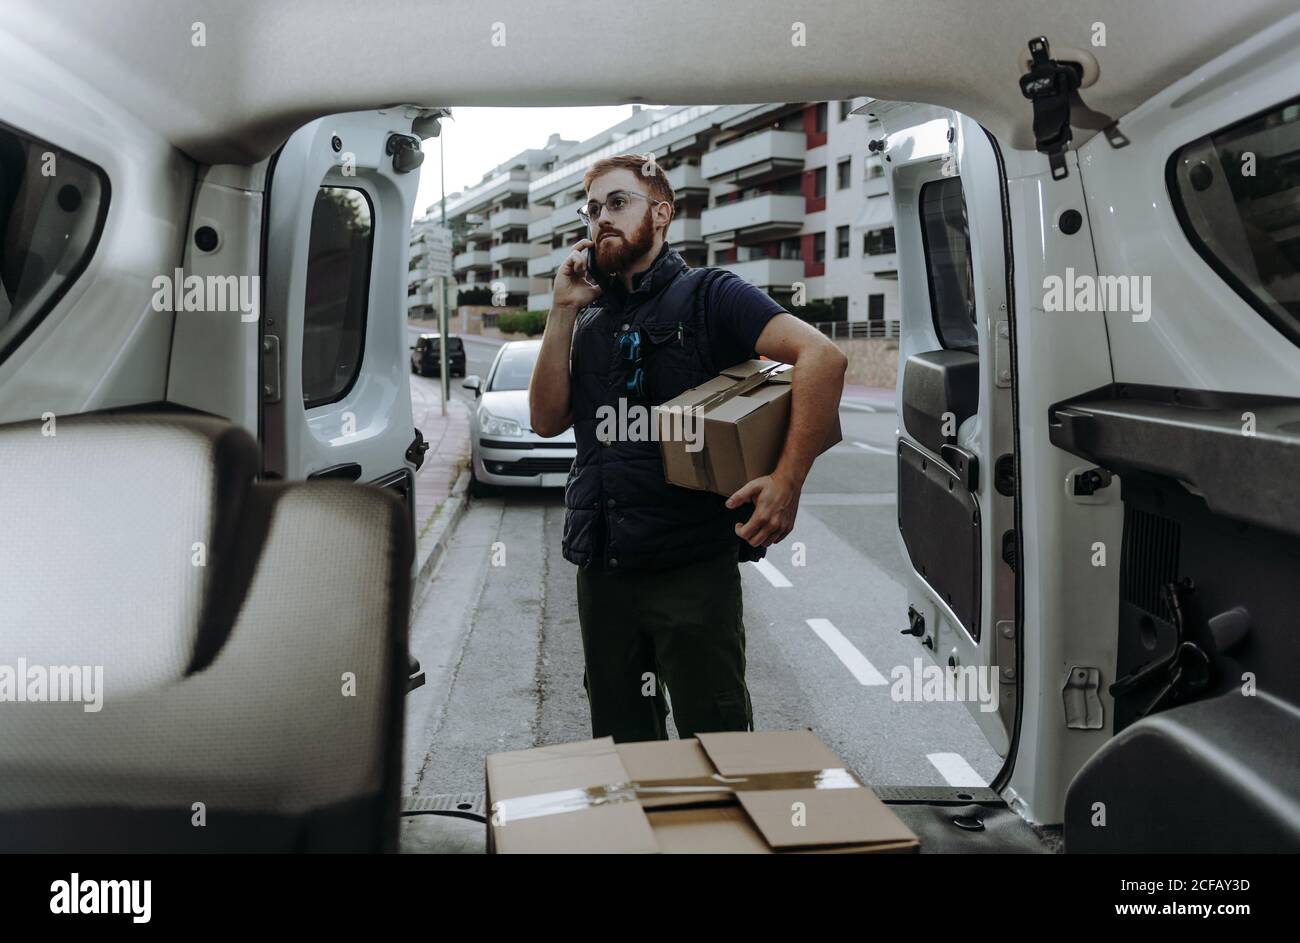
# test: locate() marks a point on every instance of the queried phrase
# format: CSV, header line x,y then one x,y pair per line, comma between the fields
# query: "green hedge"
x,y
531,323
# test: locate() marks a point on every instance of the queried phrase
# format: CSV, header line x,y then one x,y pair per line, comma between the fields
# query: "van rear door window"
x,y
338,293
52,208
945,237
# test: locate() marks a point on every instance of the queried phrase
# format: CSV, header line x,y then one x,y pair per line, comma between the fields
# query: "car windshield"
x,y
514,369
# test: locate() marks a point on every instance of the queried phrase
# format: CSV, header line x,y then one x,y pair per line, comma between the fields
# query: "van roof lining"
x,y
268,68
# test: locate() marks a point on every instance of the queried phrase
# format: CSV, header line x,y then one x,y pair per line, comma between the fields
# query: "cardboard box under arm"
x,y
740,418
776,791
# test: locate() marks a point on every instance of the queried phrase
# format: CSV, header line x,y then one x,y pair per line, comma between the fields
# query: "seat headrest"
x,y
113,526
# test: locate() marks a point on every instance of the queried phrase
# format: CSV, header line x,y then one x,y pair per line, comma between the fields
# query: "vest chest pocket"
x,y
672,359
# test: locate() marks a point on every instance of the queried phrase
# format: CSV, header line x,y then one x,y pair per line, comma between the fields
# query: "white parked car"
x,y
504,448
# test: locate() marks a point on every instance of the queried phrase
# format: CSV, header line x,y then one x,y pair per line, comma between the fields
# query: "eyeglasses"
x,y
629,348
617,202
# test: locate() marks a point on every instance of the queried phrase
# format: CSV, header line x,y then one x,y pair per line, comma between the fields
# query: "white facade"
x,y
760,190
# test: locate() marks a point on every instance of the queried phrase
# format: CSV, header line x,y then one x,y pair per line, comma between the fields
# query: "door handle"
x,y
347,471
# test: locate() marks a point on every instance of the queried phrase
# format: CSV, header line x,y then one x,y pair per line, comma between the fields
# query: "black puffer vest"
x,y
620,514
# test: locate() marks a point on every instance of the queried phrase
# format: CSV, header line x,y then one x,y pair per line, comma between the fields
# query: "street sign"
x,y
437,251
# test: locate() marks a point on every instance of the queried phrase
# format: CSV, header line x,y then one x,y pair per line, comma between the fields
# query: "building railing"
x,y
860,330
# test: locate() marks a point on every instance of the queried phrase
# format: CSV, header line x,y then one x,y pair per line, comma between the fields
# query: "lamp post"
x,y
442,293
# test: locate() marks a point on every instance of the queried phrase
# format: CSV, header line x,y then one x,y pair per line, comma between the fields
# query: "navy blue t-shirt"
x,y
735,314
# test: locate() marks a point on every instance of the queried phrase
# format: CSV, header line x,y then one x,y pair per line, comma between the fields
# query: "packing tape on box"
x,y
752,382
576,800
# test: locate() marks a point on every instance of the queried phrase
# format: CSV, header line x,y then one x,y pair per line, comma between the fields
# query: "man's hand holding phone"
x,y
574,288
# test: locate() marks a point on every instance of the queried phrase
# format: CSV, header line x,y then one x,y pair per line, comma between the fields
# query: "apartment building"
x,y
489,226
787,195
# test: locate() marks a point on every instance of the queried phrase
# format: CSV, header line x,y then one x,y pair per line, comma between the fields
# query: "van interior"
x,y
1098,400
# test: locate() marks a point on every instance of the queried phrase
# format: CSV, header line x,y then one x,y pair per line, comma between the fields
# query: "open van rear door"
x,y
956,466
335,394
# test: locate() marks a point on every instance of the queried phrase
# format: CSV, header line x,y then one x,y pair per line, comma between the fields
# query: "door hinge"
x,y
415,451
270,368
405,151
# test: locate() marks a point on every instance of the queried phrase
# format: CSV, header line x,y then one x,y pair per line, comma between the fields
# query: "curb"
x,y
433,545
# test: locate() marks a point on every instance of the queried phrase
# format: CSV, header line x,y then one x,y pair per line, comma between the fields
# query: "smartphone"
x,y
594,274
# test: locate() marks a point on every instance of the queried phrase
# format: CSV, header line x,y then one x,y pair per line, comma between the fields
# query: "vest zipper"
x,y
679,334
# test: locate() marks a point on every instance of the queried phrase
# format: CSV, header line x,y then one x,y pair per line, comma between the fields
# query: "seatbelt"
x,y
1053,89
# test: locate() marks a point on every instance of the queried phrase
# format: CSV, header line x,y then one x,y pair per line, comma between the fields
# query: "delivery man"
x,y
658,578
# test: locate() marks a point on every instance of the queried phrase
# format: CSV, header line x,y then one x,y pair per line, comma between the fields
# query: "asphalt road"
x,y
498,634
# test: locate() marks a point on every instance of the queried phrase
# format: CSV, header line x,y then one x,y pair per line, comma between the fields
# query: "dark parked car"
x,y
425,357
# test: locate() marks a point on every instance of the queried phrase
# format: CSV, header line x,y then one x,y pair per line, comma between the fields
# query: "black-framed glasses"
x,y
618,201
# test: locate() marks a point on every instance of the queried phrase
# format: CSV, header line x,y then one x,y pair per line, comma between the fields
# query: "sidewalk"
x,y
441,482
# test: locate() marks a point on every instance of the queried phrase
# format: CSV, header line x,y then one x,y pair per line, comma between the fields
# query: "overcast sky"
x,y
477,139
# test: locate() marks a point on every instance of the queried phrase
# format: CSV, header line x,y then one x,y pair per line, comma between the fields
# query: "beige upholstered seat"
x,y
265,683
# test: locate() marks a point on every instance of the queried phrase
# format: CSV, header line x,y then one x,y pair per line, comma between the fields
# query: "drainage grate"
x,y
467,805
938,795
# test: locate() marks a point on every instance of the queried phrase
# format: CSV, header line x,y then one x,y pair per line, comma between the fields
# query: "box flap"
x,y
768,751
828,817
554,768
671,761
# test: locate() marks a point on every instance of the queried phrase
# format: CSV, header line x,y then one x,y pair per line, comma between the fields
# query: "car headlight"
x,y
490,425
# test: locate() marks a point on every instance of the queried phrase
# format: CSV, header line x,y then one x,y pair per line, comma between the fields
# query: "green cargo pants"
x,y
678,629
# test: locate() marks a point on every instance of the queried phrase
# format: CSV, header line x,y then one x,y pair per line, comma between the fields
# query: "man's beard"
x,y
618,254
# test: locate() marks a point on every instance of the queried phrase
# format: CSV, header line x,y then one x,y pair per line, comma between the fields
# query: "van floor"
x,y
443,824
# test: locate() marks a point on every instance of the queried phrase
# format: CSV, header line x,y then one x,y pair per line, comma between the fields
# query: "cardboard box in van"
x,y
778,791
723,434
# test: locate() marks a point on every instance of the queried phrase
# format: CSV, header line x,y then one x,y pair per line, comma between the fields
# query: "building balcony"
x,y
540,229
686,177
545,266
473,259
684,231
566,218
481,197
769,273
503,219
753,159
511,252
540,302
511,284
754,220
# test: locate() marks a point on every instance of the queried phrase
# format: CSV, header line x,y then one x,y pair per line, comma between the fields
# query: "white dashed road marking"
x,y
954,768
875,448
772,574
847,652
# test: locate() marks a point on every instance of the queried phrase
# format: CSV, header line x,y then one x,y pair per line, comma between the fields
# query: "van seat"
x,y
260,676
